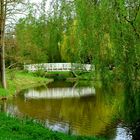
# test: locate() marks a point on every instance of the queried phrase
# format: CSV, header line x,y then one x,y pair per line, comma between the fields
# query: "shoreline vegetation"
x,y
13,128
23,129
20,80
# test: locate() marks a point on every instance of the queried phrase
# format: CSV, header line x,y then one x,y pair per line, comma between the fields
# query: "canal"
x,y
85,109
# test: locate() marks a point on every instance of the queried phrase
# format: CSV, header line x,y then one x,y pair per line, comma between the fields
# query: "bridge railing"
x,y
59,67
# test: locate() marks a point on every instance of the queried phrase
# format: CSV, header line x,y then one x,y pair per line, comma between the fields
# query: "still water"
x,y
73,108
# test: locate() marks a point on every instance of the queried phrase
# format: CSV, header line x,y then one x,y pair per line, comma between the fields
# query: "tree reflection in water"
x,y
131,108
87,115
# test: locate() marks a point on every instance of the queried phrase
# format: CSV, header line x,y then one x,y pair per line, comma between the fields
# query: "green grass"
x,y
3,92
12,128
19,80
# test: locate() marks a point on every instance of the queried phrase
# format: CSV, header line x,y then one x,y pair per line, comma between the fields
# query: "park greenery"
x,y
99,32
104,33
19,80
27,129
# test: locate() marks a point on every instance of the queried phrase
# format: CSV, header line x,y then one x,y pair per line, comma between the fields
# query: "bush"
x,y
40,73
3,92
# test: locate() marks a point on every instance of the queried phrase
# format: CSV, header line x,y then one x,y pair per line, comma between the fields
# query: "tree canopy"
x,y
104,33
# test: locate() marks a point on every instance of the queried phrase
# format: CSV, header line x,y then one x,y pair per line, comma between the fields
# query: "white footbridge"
x,y
59,67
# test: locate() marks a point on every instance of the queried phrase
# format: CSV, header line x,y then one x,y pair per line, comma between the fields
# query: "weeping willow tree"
x,y
104,33
59,22
128,38
94,34
110,32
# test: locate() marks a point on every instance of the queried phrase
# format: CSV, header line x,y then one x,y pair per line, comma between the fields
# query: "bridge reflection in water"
x,y
56,93
89,116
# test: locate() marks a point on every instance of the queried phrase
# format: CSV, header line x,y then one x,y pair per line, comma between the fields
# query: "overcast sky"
x,y
39,1
11,21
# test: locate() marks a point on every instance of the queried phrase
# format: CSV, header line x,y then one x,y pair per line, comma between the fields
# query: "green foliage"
x,y
3,92
100,32
23,80
25,129
40,73
31,42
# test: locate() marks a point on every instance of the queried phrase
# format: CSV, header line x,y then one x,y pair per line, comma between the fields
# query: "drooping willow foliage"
x,y
104,33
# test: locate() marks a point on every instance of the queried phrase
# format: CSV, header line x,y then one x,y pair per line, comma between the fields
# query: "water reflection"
x,y
53,93
110,112
131,108
123,133
3,106
61,127
88,115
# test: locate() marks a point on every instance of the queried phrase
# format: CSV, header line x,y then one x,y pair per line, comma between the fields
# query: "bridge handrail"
x,y
58,67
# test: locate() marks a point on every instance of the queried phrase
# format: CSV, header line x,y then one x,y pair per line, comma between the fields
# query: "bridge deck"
x,y
58,67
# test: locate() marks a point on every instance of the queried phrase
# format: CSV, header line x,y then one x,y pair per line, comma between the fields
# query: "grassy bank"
x,y
19,80
12,128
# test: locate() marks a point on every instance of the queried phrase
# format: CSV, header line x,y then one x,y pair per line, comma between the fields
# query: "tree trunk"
x,y
2,42
3,64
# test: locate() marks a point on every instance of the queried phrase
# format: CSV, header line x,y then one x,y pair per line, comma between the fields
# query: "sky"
x,y
14,18
38,1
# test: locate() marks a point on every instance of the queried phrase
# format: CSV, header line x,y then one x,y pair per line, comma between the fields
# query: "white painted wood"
x,y
59,67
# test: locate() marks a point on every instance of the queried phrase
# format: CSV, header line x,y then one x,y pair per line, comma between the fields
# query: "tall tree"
x,y
7,8
3,6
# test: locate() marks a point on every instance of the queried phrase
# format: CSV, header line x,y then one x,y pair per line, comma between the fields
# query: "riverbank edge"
x,y
20,80
22,129
14,128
